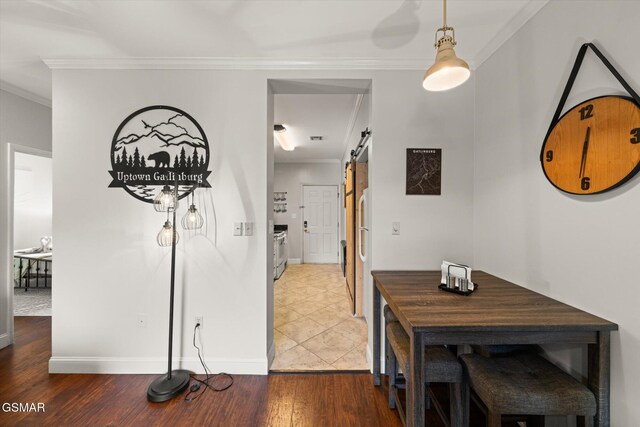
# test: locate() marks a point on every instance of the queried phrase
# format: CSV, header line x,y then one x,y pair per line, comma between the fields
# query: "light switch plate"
x,y
237,229
248,229
395,228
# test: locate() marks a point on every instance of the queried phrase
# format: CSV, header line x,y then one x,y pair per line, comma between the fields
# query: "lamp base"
x,y
164,388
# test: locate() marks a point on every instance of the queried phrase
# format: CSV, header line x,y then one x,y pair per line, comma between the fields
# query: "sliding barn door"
x,y
350,233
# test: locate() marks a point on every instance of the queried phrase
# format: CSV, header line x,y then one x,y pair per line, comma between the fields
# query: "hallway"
x,y
314,328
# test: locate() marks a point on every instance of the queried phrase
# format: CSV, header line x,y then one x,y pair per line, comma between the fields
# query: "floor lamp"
x,y
174,382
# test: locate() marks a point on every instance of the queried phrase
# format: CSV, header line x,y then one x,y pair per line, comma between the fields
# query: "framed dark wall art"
x,y
153,145
424,171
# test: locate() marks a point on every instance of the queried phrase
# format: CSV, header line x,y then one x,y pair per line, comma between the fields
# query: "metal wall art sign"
x,y
152,145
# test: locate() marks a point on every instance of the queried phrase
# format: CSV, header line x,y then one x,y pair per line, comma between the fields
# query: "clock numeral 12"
x,y
585,183
586,112
636,136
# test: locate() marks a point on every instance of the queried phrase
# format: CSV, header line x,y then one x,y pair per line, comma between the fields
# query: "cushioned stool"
x,y
440,366
525,384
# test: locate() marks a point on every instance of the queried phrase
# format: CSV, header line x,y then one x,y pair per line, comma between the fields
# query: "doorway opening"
x,y
29,231
316,125
32,235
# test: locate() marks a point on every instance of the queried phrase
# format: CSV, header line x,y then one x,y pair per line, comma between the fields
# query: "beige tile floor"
x,y
313,326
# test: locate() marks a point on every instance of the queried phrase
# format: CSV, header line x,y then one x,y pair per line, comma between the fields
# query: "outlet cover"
x,y
199,319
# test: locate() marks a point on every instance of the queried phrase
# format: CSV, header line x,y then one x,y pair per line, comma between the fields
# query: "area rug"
x,y
34,302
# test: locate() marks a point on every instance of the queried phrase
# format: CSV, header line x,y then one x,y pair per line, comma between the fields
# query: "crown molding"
x,y
307,161
238,63
30,96
505,33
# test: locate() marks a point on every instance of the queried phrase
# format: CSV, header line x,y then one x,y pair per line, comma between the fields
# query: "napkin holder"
x,y
457,285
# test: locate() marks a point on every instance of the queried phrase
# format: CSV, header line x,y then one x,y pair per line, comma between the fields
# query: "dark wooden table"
x,y
499,312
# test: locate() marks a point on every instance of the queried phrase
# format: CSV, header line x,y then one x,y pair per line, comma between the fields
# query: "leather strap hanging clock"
x,y
595,146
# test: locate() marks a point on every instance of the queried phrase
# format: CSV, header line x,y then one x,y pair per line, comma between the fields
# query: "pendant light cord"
x,y
444,15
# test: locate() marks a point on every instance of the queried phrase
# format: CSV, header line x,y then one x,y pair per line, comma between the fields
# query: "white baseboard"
x,y
139,365
4,340
294,261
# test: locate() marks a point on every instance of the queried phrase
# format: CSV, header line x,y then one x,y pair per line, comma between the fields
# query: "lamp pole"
x,y
173,383
173,283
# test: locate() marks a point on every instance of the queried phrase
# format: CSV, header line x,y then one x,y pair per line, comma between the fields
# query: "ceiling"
x,y
259,29
329,116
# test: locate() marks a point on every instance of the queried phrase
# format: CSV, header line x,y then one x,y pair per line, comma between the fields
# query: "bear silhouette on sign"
x,y
161,158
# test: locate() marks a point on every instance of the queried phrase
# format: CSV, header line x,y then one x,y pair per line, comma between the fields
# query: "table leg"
x,y
26,276
416,387
599,377
37,273
376,336
46,272
20,276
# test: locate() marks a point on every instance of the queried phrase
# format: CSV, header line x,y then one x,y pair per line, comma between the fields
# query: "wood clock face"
x,y
594,147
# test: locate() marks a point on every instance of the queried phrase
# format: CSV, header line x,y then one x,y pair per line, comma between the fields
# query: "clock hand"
x,y
585,148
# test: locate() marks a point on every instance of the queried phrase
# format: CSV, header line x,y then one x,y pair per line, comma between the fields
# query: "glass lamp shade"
x,y
165,236
192,219
165,200
448,71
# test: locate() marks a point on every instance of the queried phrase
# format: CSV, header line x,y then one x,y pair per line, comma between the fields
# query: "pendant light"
x,y
192,220
167,233
448,71
279,131
165,200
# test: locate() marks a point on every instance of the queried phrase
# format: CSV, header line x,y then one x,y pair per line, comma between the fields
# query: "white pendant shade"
x,y
280,133
447,72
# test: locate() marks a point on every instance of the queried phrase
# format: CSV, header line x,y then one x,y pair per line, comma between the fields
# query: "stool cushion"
x,y
440,365
527,384
389,315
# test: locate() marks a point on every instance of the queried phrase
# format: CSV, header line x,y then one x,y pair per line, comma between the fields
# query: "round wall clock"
x,y
594,147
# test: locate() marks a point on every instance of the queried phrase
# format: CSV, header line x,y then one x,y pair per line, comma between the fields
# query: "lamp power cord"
x,y
208,382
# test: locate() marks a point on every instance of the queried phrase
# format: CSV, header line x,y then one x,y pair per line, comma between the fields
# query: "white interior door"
x,y
320,224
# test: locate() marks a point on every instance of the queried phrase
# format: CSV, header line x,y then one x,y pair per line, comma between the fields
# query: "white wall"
x,y
32,200
577,249
432,227
109,268
28,124
290,177
111,240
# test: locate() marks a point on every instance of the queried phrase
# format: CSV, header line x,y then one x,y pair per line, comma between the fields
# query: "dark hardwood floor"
x,y
120,400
